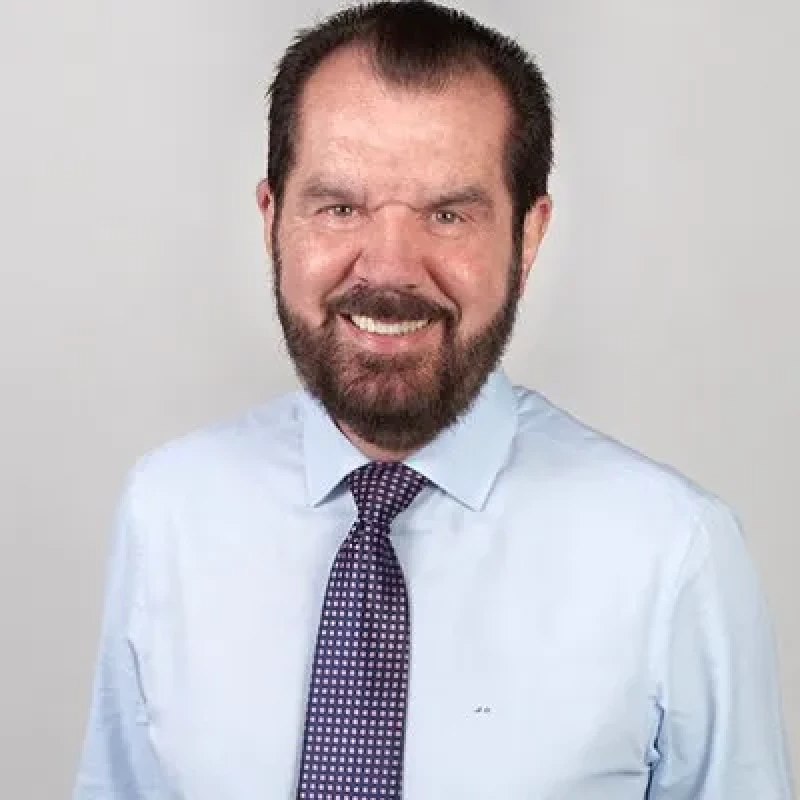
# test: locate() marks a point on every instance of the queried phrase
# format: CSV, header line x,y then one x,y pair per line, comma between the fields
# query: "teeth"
x,y
387,328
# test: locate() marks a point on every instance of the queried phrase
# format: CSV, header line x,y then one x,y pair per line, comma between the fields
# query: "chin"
x,y
396,385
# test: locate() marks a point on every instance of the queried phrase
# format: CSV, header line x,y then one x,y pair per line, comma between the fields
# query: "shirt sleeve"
x,y
722,732
117,762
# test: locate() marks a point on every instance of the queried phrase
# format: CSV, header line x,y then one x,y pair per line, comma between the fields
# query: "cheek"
x,y
313,266
477,282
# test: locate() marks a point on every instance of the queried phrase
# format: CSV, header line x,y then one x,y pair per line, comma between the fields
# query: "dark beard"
x,y
397,403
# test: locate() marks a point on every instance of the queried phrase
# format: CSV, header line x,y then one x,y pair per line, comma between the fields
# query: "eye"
x,y
447,217
341,210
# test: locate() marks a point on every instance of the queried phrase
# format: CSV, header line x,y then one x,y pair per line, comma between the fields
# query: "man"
x,y
413,579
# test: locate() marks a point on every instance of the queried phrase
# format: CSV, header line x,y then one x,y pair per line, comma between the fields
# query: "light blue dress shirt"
x,y
586,624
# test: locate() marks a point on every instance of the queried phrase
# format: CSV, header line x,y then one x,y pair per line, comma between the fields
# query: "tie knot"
x,y
383,489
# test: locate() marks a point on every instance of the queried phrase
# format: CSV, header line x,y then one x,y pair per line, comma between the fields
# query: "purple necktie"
x,y
355,720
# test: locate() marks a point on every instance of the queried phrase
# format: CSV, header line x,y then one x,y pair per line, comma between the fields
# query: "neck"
x,y
370,450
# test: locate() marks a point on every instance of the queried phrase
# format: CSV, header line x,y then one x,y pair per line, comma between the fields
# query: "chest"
x,y
529,671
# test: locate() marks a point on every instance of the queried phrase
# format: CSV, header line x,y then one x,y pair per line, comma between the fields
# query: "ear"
x,y
535,226
266,205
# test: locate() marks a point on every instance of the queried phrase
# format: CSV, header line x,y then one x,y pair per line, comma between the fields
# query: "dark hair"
x,y
416,43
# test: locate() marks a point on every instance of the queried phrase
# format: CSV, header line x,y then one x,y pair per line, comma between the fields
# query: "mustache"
x,y
392,305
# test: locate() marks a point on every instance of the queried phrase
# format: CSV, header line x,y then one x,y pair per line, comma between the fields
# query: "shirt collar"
x,y
463,460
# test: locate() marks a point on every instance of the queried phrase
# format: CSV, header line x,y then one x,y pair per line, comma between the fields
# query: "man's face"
x,y
396,279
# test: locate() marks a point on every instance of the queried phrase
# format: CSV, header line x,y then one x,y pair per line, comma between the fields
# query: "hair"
x,y
419,44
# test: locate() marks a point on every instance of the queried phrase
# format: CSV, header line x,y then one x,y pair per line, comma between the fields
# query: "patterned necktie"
x,y
355,721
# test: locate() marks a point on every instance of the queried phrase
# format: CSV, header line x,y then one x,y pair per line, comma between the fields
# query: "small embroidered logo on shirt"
x,y
482,710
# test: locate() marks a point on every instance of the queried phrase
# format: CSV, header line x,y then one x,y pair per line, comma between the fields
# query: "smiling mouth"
x,y
384,328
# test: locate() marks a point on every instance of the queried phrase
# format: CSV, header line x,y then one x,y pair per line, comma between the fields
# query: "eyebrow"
x,y
318,188
466,196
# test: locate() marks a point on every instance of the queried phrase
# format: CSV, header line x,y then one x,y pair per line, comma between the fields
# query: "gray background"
x,y
135,302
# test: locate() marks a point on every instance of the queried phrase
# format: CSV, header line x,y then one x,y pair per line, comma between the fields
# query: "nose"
x,y
393,250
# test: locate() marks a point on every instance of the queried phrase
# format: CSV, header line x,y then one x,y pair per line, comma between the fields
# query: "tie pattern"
x,y
355,719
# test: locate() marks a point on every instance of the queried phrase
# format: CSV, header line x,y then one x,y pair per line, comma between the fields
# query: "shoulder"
x,y
553,441
589,477
251,447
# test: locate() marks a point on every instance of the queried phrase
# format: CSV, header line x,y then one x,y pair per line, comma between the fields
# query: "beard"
x,y
397,403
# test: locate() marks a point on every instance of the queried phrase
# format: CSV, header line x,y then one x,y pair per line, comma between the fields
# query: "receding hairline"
x,y
362,54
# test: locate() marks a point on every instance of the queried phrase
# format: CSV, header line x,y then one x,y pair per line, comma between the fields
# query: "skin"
x,y
418,204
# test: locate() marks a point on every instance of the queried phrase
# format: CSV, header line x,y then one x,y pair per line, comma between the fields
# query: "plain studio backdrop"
x,y
135,301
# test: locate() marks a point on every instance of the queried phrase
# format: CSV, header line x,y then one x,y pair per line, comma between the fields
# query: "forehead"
x,y
354,123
